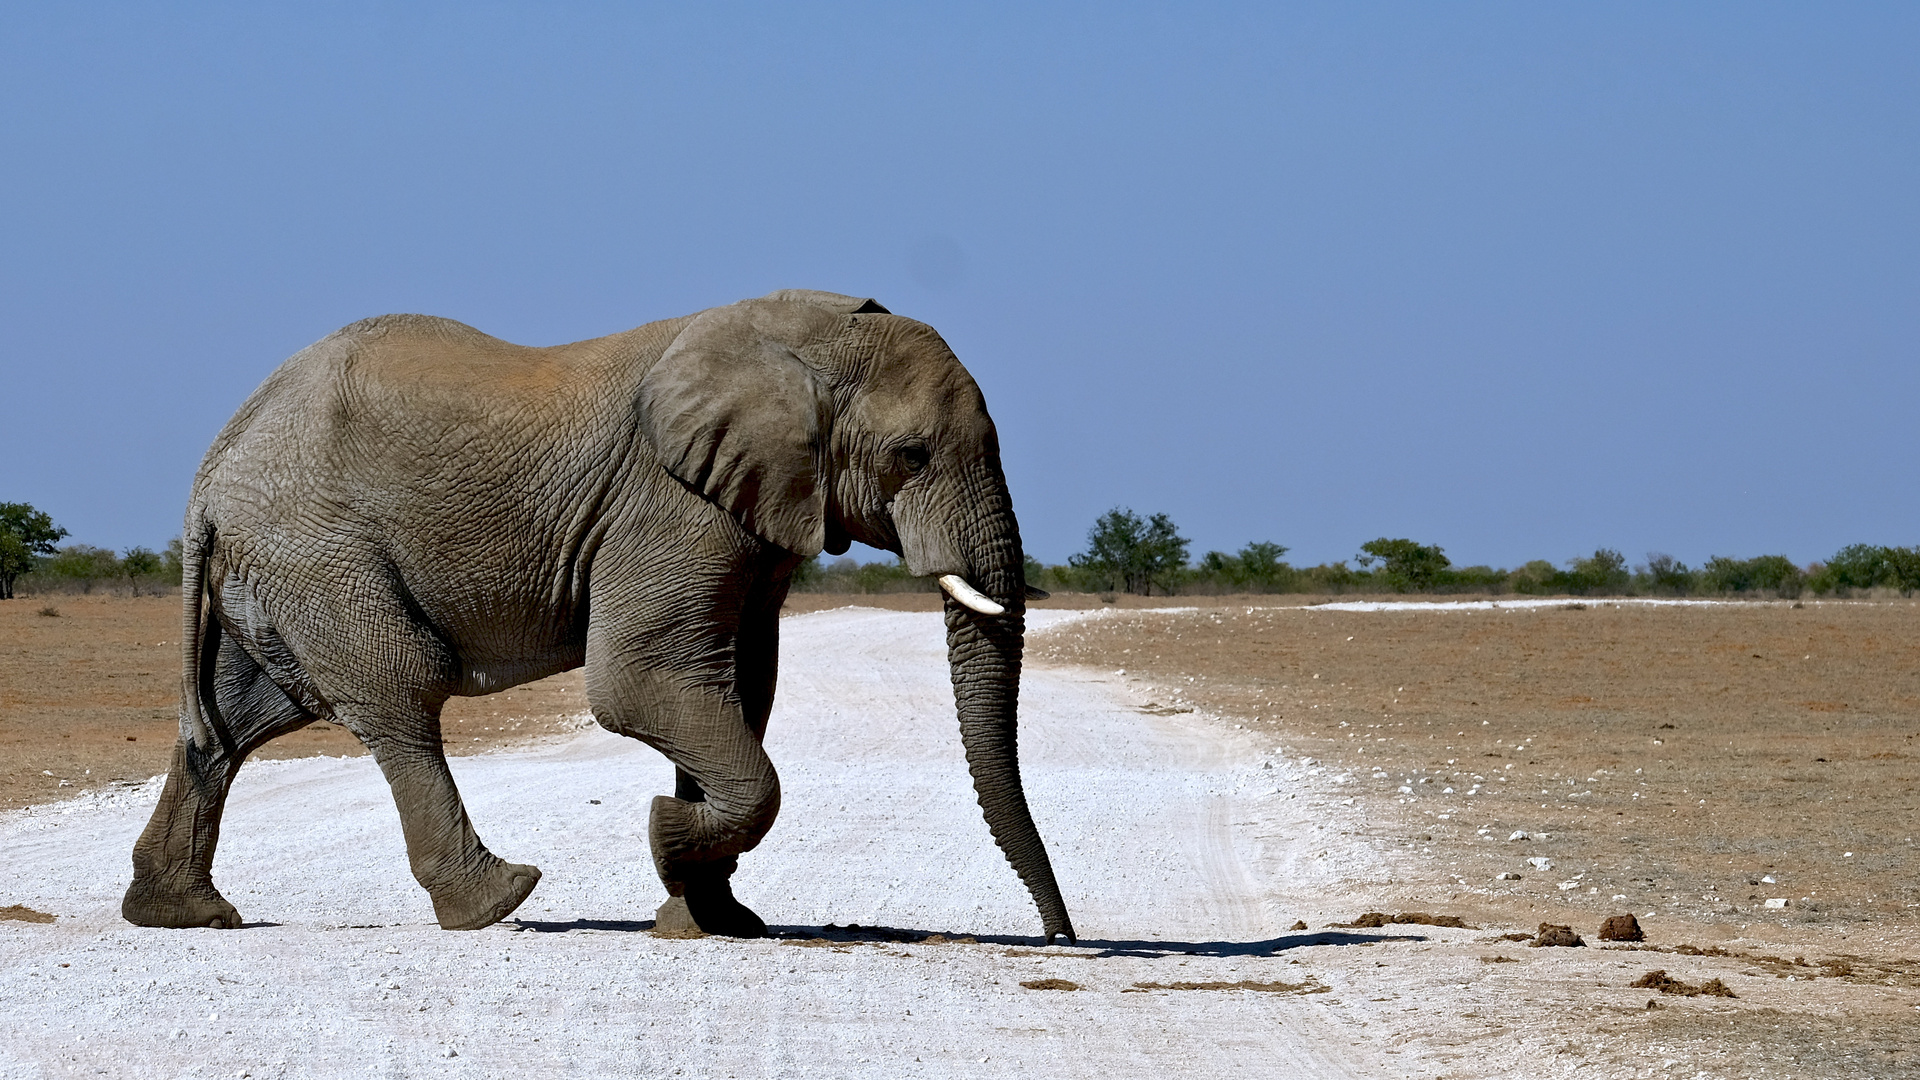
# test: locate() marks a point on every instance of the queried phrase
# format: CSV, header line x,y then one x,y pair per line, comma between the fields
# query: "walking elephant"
x,y
410,510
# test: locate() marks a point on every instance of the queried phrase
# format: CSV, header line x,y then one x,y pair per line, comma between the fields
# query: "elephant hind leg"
x,y
173,859
471,887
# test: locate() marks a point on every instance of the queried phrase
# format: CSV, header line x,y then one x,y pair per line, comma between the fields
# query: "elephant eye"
x,y
914,458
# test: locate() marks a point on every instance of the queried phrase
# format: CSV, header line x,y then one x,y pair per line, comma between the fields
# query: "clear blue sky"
x,y
1519,280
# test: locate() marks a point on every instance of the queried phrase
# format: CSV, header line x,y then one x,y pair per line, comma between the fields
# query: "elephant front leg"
x,y
726,797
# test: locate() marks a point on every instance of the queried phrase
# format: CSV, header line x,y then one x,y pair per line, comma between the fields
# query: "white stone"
x,y
1540,862
1779,902
1519,834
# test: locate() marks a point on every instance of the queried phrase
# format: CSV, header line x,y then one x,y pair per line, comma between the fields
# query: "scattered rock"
x,y
1540,863
1666,984
1553,936
22,913
1375,919
1050,984
1779,902
1508,876
1308,987
1622,928
1519,834
1498,959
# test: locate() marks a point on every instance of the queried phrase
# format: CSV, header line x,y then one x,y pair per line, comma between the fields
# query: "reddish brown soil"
x,y
1675,756
91,696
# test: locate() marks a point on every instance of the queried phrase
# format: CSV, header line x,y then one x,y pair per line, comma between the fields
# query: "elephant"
x,y
410,509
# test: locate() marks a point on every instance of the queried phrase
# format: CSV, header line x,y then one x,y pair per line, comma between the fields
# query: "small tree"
x,y
1903,568
1774,572
1604,572
806,576
35,533
15,560
173,561
1261,565
1405,564
84,565
1137,554
1667,575
1856,566
1537,578
138,562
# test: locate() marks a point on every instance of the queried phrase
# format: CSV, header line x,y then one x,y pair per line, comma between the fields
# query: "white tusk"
x,y
958,588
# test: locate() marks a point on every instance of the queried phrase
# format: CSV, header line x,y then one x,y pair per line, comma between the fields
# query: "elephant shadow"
x,y
855,934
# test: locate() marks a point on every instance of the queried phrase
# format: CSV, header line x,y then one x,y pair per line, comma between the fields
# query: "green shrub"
x,y
1667,576
81,566
1769,573
1604,573
1903,568
1537,578
848,575
1131,553
1404,564
1475,579
28,532
1257,568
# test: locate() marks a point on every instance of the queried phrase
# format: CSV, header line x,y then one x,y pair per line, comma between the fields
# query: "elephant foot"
x,y
486,900
709,907
674,920
151,902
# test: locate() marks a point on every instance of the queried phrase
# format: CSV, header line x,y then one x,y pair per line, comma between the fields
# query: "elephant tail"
x,y
194,545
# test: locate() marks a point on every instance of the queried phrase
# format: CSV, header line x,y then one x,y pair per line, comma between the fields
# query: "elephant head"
x,y
818,419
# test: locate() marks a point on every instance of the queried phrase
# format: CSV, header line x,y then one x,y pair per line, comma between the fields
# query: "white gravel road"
x,y
1178,859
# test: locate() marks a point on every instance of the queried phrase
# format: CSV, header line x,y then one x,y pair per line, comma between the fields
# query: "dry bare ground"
x,y
1683,763
1194,823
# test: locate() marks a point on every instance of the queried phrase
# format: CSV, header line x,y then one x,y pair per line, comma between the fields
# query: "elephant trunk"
x,y
985,652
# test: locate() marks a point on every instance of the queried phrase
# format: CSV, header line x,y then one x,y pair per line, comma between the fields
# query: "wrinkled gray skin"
x,y
411,510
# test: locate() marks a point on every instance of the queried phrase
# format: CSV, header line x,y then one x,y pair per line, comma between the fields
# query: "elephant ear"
x,y
740,418
831,301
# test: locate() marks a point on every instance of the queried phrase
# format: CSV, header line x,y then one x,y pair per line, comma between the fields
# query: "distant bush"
x,y
1536,578
1145,555
1404,564
81,566
1767,573
139,564
24,534
1256,569
1665,576
1128,552
847,575
1863,567
1903,569
1604,573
